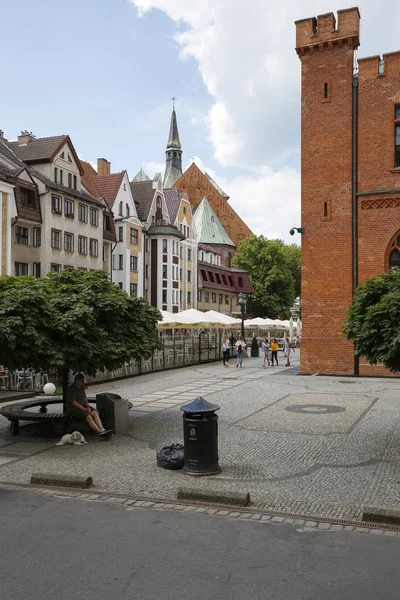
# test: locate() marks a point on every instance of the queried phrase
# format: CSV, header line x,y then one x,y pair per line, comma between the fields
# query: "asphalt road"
x,y
56,549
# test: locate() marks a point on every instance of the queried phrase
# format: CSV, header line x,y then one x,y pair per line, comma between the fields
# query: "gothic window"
x,y
394,253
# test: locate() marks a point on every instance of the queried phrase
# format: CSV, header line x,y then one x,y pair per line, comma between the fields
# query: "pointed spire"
x,y
173,154
173,138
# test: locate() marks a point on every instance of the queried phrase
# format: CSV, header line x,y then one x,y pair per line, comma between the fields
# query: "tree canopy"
x,y
73,320
374,322
275,274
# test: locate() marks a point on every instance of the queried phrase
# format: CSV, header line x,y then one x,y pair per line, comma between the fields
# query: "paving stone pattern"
x,y
318,463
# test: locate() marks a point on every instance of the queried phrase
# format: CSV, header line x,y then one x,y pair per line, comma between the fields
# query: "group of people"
x,y
240,345
270,351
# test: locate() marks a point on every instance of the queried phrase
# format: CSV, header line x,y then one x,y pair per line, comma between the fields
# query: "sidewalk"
x,y
321,446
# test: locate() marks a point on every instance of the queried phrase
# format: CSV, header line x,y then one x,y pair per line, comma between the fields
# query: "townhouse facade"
x,y
181,216
127,252
58,225
220,286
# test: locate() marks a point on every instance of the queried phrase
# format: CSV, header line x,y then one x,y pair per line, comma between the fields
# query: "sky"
x,y
104,72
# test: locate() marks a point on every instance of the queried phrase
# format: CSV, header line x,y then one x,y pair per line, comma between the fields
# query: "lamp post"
x,y
242,302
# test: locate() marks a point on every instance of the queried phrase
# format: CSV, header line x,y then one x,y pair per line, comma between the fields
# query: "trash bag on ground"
x,y
170,457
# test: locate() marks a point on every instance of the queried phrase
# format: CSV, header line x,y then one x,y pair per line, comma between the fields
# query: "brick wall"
x,y
326,53
326,144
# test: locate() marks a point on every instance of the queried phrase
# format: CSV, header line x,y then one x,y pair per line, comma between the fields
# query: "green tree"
x,y
293,255
374,323
271,276
73,320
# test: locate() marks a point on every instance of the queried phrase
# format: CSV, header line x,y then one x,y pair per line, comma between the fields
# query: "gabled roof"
x,y
88,169
141,176
40,150
106,186
143,194
208,227
217,187
173,200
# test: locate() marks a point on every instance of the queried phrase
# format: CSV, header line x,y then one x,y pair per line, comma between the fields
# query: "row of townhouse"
x,y
59,212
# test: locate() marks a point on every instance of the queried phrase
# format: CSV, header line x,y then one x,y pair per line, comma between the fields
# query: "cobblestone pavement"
x,y
323,446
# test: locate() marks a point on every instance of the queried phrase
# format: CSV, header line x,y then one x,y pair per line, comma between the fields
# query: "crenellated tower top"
x,y
317,33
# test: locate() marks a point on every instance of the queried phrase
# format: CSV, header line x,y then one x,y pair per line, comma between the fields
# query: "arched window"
x,y
394,253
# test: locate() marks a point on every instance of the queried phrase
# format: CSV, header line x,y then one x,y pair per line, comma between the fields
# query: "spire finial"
x,y
174,99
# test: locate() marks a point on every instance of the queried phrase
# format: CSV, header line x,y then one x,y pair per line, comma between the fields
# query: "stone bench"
x,y
20,412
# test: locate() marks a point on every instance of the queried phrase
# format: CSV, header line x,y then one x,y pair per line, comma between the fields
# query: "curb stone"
x,y
248,514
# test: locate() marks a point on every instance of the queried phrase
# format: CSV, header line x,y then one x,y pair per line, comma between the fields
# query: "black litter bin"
x,y
106,409
200,433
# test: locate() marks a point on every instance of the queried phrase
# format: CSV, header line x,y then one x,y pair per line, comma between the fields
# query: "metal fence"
x,y
180,350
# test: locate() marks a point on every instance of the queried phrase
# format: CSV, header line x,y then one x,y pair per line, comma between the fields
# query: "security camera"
x,y
292,232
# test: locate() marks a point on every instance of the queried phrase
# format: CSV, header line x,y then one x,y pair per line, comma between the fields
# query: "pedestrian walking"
x,y
287,350
265,350
240,347
225,351
274,352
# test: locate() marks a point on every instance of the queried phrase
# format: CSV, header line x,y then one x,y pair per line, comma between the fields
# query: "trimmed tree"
x,y
73,320
374,320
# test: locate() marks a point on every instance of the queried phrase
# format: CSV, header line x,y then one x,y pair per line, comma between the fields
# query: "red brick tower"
x,y
328,187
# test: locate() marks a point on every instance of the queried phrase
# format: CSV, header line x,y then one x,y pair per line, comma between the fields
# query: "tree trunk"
x,y
65,381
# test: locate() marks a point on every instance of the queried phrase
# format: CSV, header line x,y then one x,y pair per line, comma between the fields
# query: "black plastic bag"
x,y
170,457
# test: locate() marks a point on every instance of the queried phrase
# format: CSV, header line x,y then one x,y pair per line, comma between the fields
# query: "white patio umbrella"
x,y
221,318
291,327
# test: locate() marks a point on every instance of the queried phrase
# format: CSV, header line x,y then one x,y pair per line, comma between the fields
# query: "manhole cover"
x,y
315,409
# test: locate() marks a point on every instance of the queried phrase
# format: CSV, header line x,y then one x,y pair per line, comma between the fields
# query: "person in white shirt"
x,y
265,349
225,350
240,347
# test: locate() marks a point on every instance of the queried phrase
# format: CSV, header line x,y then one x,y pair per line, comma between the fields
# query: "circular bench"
x,y
20,412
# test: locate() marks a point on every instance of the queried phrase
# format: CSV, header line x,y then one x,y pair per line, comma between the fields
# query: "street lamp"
x,y
242,301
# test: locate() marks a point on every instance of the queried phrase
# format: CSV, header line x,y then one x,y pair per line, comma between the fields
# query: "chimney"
x,y
1,133
103,166
25,138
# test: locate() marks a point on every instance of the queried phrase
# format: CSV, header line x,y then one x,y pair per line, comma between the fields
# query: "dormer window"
x,y
28,198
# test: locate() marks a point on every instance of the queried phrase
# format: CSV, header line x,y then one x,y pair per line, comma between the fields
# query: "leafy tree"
x,y
270,269
73,320
374,323
293,255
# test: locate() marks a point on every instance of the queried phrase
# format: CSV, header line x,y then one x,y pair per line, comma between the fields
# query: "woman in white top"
x,y
225,350
287,350
265,349
240,347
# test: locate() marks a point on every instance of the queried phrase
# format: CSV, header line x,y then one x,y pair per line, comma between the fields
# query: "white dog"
x,y
75,438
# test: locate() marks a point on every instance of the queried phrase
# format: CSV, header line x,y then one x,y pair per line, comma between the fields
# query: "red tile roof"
x,y
105,186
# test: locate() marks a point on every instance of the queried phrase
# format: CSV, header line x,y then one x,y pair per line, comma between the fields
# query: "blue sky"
x,y
104,71
98,72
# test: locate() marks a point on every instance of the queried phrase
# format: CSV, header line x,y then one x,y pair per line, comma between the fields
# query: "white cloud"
x,y
151,168
245,54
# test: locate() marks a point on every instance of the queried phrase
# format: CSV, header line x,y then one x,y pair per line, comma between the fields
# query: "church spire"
x,y
173,154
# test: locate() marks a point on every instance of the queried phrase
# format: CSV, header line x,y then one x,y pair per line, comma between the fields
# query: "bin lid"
x,y
200,405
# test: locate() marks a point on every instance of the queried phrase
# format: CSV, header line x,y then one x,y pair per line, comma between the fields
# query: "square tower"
x,y
326,51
